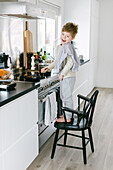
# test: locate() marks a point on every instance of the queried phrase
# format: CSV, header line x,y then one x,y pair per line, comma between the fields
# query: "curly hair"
x,y
71,28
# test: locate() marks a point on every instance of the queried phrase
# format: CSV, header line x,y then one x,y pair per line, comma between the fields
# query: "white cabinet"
x,y
20,155
92,73
19,132
85,80
81,84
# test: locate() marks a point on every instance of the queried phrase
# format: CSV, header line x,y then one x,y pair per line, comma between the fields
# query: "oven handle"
x,y
44,98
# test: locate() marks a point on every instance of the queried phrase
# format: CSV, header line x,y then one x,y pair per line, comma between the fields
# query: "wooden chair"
x,y
81,120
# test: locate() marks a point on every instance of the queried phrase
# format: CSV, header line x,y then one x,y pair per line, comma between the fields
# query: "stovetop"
x,y
45,80
31,76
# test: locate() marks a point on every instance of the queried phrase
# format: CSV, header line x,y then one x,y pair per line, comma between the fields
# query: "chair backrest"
x,y
88,108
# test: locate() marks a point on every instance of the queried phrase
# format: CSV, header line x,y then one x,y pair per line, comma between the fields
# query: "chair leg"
x,y
65,137
84,147
55,143
91,139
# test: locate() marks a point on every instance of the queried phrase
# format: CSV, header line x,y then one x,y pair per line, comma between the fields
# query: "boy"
x,y
66,64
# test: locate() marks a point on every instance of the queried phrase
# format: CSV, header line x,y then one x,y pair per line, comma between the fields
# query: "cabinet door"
x,y
81,84
18,117
19,131
22,153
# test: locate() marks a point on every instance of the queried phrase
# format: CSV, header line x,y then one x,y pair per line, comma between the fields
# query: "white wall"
x,y
78,11
86,14
105,60
94,38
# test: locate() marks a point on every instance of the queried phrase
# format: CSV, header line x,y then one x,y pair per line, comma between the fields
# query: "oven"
x,y
47,87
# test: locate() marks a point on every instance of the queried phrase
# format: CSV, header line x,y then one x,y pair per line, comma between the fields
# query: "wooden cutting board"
x,y
28,43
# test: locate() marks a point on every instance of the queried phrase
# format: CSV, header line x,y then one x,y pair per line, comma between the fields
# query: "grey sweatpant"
x,y
66,91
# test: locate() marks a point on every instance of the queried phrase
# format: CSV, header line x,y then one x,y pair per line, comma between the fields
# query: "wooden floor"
x,y
71,159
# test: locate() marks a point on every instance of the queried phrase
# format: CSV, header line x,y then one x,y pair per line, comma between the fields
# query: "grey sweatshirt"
x,y
66,65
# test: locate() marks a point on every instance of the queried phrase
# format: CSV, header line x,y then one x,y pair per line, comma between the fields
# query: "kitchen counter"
x,y
19,122
20,89
18,126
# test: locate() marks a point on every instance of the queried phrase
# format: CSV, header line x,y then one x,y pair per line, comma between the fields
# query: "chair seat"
x,y
70,126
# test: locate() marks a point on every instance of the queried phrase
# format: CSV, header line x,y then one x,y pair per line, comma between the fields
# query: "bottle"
x,y
18,60
33,63
41,53
44,56
36,61
39,57
36,56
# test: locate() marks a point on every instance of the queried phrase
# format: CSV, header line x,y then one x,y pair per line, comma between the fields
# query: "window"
x,y
11,32
47,29
41,34
50,35
46,35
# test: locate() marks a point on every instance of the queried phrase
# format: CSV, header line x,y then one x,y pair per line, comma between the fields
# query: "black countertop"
x,y
20,89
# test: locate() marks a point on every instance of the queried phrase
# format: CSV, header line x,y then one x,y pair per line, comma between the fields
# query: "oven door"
x,y
44,131
41,109
41,115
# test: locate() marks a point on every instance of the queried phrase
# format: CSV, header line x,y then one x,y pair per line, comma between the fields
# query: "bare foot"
x,y
62,116
61,119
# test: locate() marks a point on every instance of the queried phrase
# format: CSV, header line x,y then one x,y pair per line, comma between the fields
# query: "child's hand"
x,y
60,77
44,70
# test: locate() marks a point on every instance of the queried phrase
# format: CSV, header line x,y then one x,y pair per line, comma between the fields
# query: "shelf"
x,y
22,16
22,10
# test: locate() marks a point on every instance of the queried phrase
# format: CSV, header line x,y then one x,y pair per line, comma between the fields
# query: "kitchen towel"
x,y
50,109
47,119
53,103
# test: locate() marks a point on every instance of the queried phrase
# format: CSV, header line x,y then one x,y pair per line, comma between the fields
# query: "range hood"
x,y
20,10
